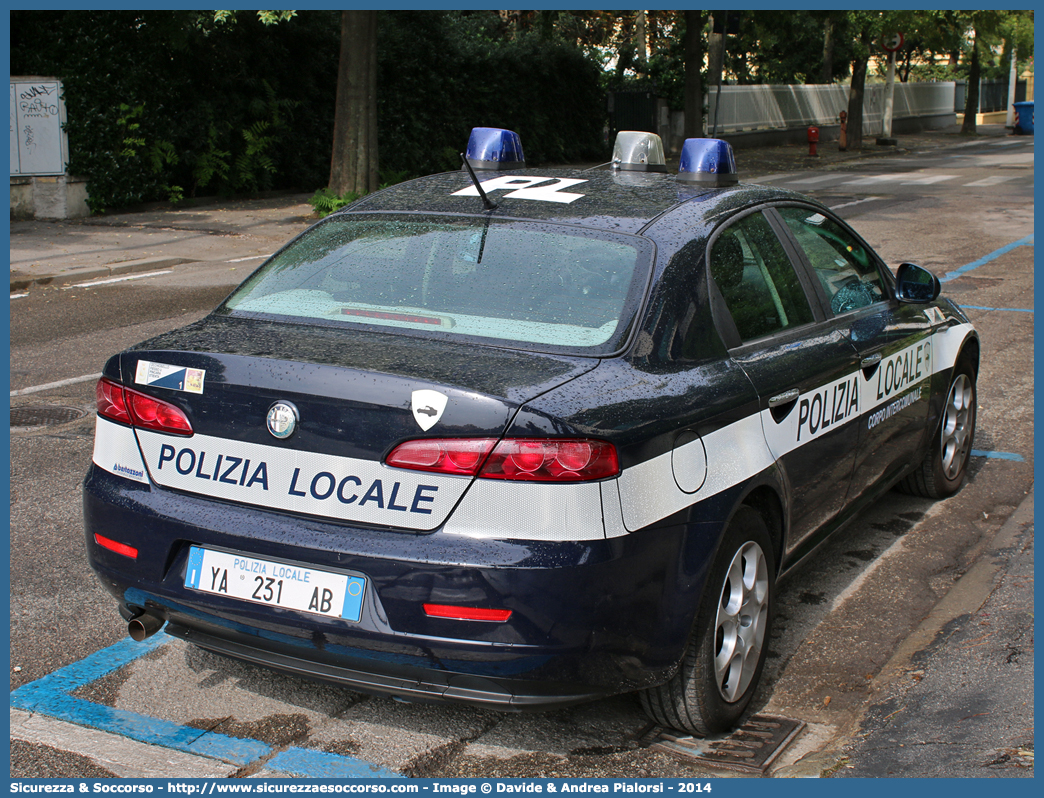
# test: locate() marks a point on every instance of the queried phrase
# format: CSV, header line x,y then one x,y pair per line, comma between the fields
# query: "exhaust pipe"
x,y
143,626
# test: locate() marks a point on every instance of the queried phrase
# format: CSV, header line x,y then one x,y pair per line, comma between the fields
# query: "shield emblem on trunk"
x,y
428,407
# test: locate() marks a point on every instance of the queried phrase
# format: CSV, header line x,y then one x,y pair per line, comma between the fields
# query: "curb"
x,y
970,592
964,598
21,281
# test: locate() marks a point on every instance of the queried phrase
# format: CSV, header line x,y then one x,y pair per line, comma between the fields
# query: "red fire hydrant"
x,y
813,140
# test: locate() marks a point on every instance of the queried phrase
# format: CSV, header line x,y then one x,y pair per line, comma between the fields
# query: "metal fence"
x,y
993,95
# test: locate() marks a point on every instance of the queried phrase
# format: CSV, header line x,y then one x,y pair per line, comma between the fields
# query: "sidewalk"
x,y
97,247
975,645
69,251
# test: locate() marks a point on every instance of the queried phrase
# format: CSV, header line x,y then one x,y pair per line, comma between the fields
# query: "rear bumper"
x,y
589,618
422,685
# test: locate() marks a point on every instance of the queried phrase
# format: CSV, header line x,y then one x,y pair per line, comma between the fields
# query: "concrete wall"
x,y
760,115
59,197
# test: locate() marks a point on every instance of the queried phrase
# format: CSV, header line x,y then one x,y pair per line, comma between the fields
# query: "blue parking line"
x,y
313,764
1018,458
51,695
1022,242
1009,310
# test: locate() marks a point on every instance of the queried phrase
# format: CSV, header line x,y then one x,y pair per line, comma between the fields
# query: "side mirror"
x,y
915,284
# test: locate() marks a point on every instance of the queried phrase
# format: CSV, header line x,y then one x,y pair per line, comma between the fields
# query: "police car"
x,y
522,438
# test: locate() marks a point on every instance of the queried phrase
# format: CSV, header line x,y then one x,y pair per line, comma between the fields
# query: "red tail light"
x,y
119,548
130,407
552,460
110,401
466,613
448,456
530,459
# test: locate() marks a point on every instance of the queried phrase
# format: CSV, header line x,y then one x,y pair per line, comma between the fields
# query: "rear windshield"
x,y
537,286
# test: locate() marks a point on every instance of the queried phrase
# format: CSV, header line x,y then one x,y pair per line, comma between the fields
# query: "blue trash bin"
x,y
1024,119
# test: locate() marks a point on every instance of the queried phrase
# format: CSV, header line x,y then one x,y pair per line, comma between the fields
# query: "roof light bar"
x,y
494,148
638,151
709,162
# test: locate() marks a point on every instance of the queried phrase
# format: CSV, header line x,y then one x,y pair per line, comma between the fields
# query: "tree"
x,y
694,50
971,99
353,164
986,26
867,29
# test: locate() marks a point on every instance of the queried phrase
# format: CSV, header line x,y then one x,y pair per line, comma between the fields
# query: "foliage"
x,y
324,202
168,104
218,103
172,104
787,47
539,86
265,17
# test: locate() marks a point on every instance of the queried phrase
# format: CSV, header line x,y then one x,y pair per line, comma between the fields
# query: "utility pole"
x,y
890,43
1013,77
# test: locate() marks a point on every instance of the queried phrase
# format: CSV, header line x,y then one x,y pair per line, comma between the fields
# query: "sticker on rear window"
x,y
177,378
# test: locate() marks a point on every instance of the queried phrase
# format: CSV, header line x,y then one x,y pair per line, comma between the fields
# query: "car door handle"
x,y
871,360
784,398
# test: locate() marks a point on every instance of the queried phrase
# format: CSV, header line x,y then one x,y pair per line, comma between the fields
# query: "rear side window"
x,y
757,279
543,286
845,268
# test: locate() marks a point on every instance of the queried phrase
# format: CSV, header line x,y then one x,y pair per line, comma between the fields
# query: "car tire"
x,y
944,468
725,653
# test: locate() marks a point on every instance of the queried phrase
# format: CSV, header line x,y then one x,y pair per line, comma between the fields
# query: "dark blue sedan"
x,y
521,438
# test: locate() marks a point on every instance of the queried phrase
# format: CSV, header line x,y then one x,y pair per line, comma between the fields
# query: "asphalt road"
x,y
841,620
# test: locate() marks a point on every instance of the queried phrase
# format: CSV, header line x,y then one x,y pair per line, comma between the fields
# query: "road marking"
x,y
19,296
778,176
252,257
1009,310
889,178
92,283
849,204
811,181
992,181
1018,458
128,759
1022,242
59,384
52,696
928,181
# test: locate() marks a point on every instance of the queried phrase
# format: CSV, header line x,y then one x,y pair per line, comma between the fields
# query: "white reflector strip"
x,y
116,451
345,488
495,508
368,492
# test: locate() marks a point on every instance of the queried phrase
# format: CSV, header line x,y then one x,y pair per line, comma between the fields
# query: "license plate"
x,y
276,584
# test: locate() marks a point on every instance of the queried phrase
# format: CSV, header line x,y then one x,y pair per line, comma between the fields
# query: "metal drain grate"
x,y
44,415
752,748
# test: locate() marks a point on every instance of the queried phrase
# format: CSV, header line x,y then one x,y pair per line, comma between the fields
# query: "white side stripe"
x,y
648,491
745,448
495,508
500,509
346,488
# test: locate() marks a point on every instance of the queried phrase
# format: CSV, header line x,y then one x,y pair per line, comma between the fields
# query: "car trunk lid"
x,y
353,395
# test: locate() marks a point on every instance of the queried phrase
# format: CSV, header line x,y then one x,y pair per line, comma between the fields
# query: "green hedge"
x,y
170,104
